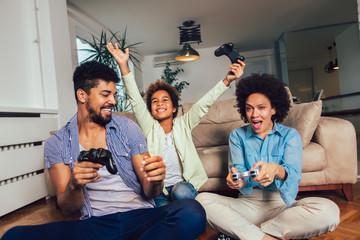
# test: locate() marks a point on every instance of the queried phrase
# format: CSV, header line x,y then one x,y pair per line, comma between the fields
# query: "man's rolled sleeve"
x,y
52,151
137,142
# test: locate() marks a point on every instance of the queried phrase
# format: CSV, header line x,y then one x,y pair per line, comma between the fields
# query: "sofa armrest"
x,y
338,138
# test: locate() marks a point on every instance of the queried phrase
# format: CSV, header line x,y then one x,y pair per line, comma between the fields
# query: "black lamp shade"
x,y
331,67
336,65
187,53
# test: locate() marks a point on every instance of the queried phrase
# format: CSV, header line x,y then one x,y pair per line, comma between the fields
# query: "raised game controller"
x,y
229,50
101,156
252,173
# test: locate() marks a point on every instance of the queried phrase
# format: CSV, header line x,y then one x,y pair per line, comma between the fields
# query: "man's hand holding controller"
x,y
83,173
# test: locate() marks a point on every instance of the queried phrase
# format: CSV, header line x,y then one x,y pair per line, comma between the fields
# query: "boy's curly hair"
x,y
162,85
265,84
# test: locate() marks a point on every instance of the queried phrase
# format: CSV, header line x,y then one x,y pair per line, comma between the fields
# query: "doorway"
x,y
301,84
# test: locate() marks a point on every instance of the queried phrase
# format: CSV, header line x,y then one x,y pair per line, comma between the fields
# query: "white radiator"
x,y
22,178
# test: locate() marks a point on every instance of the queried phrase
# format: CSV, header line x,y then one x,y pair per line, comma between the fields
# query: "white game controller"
x,y
252,173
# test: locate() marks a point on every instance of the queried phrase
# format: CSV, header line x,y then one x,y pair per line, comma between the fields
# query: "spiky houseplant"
x,y
170,76
98,52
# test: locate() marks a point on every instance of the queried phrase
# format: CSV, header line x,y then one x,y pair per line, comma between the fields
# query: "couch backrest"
x,y
127,115
215,127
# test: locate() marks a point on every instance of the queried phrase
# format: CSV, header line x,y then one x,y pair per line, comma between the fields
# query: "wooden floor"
x,y
44,211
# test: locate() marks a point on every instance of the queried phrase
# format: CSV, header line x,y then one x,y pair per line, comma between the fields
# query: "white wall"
x,y
34,63
204,73
348,49
349,72
59,44
348,52
20,62
36,71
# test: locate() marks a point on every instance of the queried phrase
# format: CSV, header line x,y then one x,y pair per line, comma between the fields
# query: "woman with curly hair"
x,y
266,206
170,137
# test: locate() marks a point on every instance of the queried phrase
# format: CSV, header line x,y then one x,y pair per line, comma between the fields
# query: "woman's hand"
x,y
231,183
235,71
268,172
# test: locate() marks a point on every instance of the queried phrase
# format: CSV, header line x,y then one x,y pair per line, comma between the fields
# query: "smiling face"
x,y
259,112
100,102
162,106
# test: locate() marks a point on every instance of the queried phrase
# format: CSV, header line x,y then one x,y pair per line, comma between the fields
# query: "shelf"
x,y
342,96
28,110
342,113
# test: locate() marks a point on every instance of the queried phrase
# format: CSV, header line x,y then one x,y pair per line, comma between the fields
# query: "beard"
x,y
97,118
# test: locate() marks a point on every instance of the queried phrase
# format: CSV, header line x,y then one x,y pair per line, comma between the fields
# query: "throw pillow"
x,y
304,117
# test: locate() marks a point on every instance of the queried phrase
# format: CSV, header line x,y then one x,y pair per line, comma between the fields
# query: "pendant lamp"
x,y
187,53
189,33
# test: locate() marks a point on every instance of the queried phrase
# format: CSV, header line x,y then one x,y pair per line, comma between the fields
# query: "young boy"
x,y
168,136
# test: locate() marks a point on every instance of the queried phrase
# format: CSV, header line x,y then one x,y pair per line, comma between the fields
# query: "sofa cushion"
x,y
129,115
208,135
220,112
215,127
314,158
215,185
304,117
213,158
313,178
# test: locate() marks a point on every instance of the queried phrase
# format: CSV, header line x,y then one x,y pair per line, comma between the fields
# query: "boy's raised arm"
x,y
142,115
121,57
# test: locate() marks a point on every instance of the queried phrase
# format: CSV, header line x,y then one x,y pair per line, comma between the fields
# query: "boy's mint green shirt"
x,y
193,170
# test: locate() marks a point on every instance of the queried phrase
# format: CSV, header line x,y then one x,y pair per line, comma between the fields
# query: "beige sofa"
x,y
330,153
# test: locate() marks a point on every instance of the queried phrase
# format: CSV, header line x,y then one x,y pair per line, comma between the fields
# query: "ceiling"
x,y
249,24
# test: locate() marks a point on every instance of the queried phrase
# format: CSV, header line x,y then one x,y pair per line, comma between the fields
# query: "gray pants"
x,y
240,217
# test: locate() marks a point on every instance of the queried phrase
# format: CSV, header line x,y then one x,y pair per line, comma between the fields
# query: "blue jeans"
x,y
183,219
180,190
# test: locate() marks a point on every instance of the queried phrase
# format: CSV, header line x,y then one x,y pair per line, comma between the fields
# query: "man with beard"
x,y
113,206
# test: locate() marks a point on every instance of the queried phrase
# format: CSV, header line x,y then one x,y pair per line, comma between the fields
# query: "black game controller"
x,y
229,50
101,156
237,176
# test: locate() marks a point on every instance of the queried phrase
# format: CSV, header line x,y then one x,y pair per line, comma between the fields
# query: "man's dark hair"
x,y
88,74
265,84
162,85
